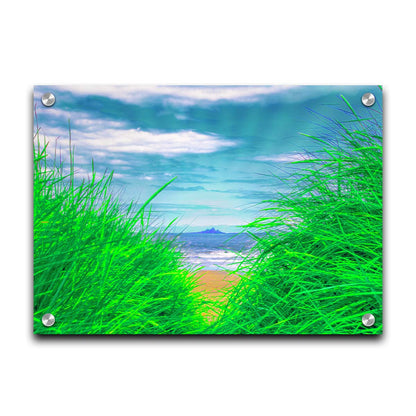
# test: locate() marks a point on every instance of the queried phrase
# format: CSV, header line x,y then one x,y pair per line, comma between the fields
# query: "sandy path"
x,y
215,284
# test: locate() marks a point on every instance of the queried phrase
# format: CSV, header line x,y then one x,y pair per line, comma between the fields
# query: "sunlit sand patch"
x,y
215,285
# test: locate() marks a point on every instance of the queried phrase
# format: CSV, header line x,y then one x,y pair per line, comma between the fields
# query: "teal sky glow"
x,y
222,143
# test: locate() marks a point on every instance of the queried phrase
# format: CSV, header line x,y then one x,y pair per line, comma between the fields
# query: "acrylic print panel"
x,y
208,210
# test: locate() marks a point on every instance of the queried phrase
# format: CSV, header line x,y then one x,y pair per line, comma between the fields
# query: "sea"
x,y
214,251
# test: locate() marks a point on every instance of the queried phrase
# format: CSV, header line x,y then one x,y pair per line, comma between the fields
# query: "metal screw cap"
x,y
368,319
48,99
48,319
368,99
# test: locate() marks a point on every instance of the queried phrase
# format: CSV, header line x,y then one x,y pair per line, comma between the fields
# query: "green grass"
x,y
101,271
317,267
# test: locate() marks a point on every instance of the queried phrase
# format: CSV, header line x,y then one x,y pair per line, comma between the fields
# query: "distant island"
x,y
211,231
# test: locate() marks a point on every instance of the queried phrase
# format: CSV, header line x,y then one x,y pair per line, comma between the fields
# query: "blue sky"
x,y
222,143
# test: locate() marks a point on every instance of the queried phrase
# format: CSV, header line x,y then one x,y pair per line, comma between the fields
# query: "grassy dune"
x,y
319,267
99,271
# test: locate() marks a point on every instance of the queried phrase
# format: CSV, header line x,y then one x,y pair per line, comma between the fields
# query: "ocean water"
x,y
214,251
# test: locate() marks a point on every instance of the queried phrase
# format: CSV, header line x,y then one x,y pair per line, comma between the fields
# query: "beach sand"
x,y
215,284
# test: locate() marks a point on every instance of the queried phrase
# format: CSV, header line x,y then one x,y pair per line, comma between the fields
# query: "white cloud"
x,y
118,162
284,157
82,173
79,118
137,141
58,113
185,95
181,117
93,124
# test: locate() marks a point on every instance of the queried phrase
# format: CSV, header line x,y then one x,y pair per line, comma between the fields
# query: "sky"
x,y
222,144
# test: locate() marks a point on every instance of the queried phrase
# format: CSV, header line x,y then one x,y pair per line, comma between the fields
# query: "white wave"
x,y
214,260
217,255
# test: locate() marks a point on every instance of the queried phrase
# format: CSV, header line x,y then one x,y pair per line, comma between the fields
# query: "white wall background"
x,y
185,42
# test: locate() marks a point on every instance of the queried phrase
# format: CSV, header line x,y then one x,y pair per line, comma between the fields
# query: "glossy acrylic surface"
x,y
208,210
